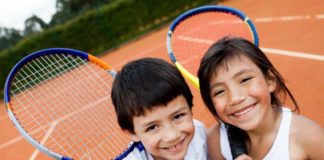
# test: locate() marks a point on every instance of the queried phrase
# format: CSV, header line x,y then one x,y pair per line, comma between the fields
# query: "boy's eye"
x,y
151,128
178,116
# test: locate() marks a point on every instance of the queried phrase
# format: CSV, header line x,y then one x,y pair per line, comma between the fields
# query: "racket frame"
x,y
192,12
25,60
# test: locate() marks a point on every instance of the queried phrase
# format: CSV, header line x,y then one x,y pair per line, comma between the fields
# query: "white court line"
x,y
294,54
12,141
49,132
320,16
268,50
15,140
288,18
150,50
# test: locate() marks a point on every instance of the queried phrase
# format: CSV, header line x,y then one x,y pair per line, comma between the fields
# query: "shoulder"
x,y
198,124
200,128
213,131
306,137
213,142
198,145
135,150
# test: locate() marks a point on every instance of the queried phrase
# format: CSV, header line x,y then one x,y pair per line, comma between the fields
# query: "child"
x,y
153,103
242,88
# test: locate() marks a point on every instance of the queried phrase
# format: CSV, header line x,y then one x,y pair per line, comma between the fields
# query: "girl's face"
x,y
166,131
241,93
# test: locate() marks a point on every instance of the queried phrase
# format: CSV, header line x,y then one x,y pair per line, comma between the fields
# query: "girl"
x,y
241,88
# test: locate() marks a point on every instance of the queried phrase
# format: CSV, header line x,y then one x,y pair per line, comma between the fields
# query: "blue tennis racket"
x,y
59,100
193,32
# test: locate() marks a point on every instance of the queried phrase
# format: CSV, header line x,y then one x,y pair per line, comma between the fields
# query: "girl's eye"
x,y
151,128
218,93
246,79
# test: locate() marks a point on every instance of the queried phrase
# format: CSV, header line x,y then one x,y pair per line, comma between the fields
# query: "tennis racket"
x,y
193,32
59,100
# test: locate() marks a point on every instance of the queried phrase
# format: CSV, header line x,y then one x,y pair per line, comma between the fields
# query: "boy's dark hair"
x,y
144,84
228,48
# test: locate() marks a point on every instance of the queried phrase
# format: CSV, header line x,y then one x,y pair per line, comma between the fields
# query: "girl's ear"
x,y
271,81
134,137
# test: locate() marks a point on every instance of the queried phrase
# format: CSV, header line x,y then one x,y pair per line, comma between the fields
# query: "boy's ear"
x,y
271,81
134,137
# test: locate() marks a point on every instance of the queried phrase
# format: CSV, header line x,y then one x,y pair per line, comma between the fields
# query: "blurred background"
x,y
291,33
92,26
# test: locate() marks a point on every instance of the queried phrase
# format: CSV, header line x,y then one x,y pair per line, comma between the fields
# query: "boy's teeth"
x,y
173,148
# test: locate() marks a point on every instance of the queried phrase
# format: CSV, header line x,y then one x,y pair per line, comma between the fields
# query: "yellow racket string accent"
x,y
192,78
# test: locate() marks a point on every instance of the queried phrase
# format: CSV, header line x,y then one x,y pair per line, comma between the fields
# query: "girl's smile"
x,y
241,93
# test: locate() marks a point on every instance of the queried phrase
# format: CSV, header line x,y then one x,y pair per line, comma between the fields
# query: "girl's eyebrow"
x,y
238,74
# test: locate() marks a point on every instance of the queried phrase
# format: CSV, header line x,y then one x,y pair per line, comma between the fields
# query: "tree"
x,y
9,37
34,24
67,9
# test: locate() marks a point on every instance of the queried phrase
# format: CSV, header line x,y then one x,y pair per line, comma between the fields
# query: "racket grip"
x,y
236,141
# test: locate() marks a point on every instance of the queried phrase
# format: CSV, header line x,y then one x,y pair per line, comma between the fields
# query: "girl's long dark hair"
x,y
232,47
226,49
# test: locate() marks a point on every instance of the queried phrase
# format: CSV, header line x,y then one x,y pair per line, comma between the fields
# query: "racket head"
x,y
59,100
193,32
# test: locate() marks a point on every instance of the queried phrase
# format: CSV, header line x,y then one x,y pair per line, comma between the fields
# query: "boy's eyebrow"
x,y
172,114
149,123
238,74
179,110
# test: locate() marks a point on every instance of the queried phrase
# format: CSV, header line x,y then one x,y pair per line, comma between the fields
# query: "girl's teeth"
x,y
243,112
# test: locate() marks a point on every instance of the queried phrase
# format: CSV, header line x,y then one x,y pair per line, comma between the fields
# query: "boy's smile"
x,y
167,130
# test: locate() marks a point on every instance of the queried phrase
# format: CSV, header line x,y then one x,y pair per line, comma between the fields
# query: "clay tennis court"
x,y
290,32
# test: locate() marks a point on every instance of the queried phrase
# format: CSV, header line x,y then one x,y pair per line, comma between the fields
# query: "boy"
x,y
153,103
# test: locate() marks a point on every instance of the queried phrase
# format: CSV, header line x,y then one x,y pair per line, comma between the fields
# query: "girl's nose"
x,y
236,97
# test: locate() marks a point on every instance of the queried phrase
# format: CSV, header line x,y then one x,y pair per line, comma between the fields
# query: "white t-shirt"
x,y
197,148
280,147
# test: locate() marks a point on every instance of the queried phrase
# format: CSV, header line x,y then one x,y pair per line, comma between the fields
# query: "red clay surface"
x,y
285,25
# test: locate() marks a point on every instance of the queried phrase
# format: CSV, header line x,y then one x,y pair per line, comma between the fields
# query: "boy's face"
x,y
166,131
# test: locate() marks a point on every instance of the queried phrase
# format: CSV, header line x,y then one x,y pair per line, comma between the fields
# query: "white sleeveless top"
x,y
280,147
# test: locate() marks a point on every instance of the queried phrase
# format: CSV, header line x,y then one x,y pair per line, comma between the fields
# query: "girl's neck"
x,y
265,134
269,125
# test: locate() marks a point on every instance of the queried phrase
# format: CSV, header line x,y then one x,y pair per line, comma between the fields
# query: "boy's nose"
x,y
171,134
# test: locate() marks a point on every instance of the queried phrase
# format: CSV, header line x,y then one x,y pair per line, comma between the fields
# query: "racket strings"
x,y
193,36
72,133
82,74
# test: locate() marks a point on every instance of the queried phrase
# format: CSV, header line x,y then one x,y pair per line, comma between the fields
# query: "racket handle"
x,y
236,141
